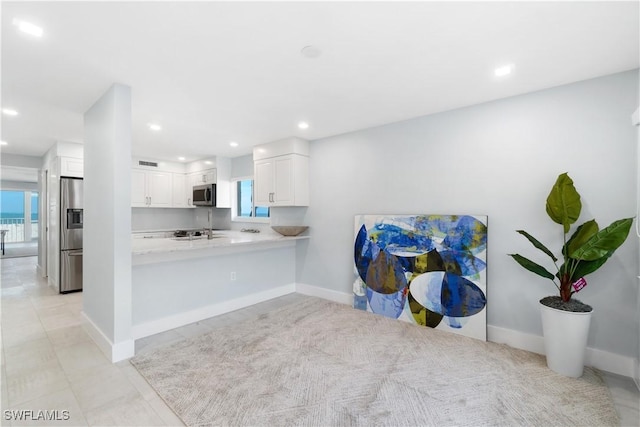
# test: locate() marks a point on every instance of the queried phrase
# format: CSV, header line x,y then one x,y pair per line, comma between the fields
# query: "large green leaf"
x,y
606,240
588,267
563,202
537,244
532,266
582,235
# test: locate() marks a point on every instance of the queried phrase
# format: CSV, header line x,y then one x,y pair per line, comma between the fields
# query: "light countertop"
x,y
157,247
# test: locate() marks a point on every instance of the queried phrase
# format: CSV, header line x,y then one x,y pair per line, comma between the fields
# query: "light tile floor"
x,y
49,362
20,249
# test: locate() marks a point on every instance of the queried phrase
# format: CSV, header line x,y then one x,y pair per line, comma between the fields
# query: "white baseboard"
x,y
600,359
606,361
610,362
328,294
515,339
114,352
171,322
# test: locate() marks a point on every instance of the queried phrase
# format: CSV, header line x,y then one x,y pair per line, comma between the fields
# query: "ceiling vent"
x,y
144,163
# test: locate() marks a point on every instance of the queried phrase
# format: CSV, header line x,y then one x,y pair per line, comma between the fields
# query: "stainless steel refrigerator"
x,y
71,220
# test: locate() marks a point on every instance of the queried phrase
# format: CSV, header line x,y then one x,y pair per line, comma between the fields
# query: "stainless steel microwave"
x,y
204,195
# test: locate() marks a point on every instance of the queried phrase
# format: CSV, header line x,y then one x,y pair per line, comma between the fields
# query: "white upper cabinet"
x,y
70,166
138,188
192,179
170,185
204,177
263,173
180,197
202,172
281,173
150,188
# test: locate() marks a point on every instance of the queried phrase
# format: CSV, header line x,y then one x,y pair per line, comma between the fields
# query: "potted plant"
x,y
565,320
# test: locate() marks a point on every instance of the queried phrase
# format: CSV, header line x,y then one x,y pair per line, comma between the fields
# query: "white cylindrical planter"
x,y
565,339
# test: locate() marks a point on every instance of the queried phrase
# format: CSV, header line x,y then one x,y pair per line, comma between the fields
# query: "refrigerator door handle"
x,y
75,253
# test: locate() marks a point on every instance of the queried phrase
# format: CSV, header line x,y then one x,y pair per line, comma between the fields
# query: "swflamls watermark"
x,y
36,415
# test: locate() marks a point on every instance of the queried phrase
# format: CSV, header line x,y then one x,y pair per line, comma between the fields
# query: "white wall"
x,y
242,166
18,160
107,226
32,163
500,159
174,288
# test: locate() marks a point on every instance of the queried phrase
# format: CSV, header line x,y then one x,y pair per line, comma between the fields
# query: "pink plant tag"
x,y
579,284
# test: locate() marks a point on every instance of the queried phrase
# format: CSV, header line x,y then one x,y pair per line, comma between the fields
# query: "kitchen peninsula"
x,y
177,281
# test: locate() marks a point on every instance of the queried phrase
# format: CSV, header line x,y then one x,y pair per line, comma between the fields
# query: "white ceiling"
x,y
211,73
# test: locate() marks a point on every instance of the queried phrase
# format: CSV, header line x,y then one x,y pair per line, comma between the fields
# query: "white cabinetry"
x,y
192,180
180,197
281,173
203,177
170,185
207,176
150,188
73,167
220,175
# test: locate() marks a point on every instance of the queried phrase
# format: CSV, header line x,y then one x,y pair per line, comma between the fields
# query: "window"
x,y
243,207
19,215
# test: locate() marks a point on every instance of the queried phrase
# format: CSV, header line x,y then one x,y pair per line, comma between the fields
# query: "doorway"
x,y
19,218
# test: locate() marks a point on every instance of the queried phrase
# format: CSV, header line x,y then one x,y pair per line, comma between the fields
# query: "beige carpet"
x,y
320,363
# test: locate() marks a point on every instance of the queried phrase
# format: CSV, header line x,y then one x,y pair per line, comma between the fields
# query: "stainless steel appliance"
x,y
71,220
204,195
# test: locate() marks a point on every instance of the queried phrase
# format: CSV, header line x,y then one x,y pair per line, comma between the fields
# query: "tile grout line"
x,y
154,390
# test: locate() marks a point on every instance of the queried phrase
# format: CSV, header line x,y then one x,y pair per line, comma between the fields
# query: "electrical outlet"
x,y
233,275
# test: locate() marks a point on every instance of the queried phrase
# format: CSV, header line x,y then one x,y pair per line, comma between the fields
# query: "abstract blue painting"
x,y
426,269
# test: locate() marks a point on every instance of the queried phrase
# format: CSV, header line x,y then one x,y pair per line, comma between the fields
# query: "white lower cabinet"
x,y
150,189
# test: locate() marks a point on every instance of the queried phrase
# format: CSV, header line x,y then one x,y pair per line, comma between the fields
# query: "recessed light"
x,y
303,125
503,71
155,127
310,52
208,162
182,159
233,144
28,28
4,143
9,112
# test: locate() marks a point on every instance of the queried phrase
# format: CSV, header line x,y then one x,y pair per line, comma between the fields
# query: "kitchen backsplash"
x,y
151,219
154,219
220,219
